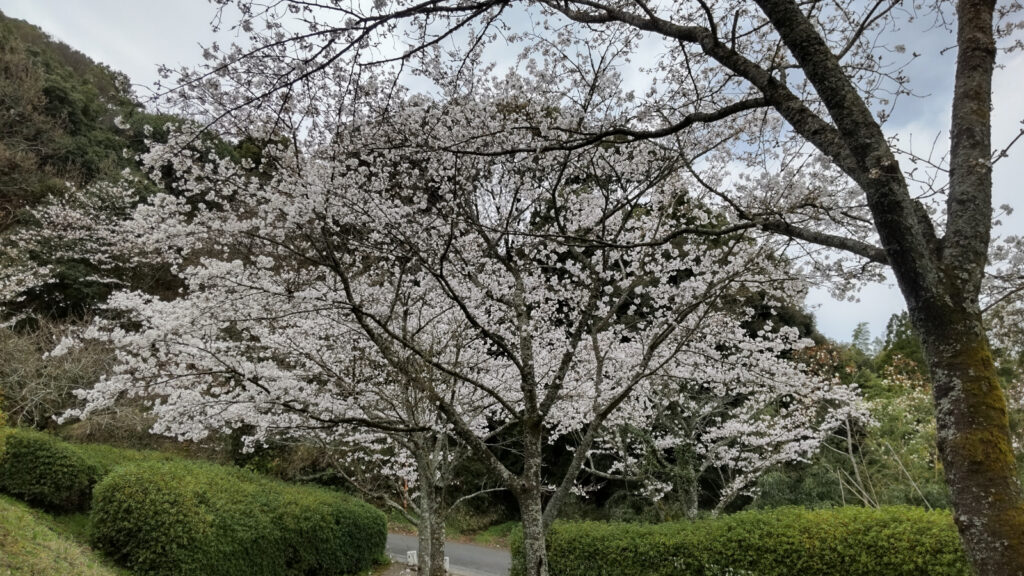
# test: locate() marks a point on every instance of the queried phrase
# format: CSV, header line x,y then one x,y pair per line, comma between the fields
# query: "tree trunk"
x,y
430,549
437,543
692,503
424,543
534,537
970,407
430,544
974,443
530,498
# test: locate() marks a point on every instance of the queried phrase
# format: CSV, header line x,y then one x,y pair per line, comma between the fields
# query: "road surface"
x,y
465,559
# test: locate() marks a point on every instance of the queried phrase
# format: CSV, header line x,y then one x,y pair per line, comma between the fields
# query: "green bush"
x,y
191,518
896,541
50,473
45,472
4,433
105,458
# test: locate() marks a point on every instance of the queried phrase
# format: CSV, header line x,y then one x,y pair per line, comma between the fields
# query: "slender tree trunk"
x,y
430,544
424,541
692,505
974,444
531,505
437,543
534,537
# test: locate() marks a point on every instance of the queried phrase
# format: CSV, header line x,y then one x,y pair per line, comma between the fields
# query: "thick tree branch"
x,y
969,204
908,245
620,134
857,247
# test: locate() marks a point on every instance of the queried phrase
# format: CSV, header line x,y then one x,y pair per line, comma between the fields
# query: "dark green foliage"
x,y
896,541
57,110
812,485
57,115
50,473
45,472
901,341
192,518
106,458
159,514
57,126
324,532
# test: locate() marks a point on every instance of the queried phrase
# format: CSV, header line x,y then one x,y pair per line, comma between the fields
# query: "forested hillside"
x,y
57,137
68,123
56,120
69,126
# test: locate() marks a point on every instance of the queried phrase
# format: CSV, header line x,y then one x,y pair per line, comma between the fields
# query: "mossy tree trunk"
x,y
971,413
974,444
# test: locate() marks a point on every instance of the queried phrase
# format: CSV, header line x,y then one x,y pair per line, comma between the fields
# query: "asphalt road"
x,y
464,559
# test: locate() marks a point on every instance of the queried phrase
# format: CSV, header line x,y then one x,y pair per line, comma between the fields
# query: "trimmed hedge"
x,y
895,541
56,475
45,472
106,458
192,518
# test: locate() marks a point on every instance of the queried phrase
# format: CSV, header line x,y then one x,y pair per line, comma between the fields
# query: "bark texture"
x,y
433,507
974,435
974,443
534,541
531,506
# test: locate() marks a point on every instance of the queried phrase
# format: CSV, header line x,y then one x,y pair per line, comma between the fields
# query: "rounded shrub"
x,y
163,518
896,541
50,473
45,472
323,532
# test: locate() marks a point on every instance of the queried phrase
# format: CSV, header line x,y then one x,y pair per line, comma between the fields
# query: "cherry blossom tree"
x,y
532,294
243,348
18,275
790,97
419,475
676,447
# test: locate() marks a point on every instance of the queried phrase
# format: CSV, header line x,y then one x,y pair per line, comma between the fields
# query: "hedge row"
x,y
896,541
55,475
163,518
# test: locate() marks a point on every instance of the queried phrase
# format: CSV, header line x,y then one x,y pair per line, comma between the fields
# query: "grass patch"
x,y
459,529
74,526
497,535
399,524
30,546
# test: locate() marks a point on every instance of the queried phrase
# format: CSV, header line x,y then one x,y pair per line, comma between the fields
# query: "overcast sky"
x,y
134,36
